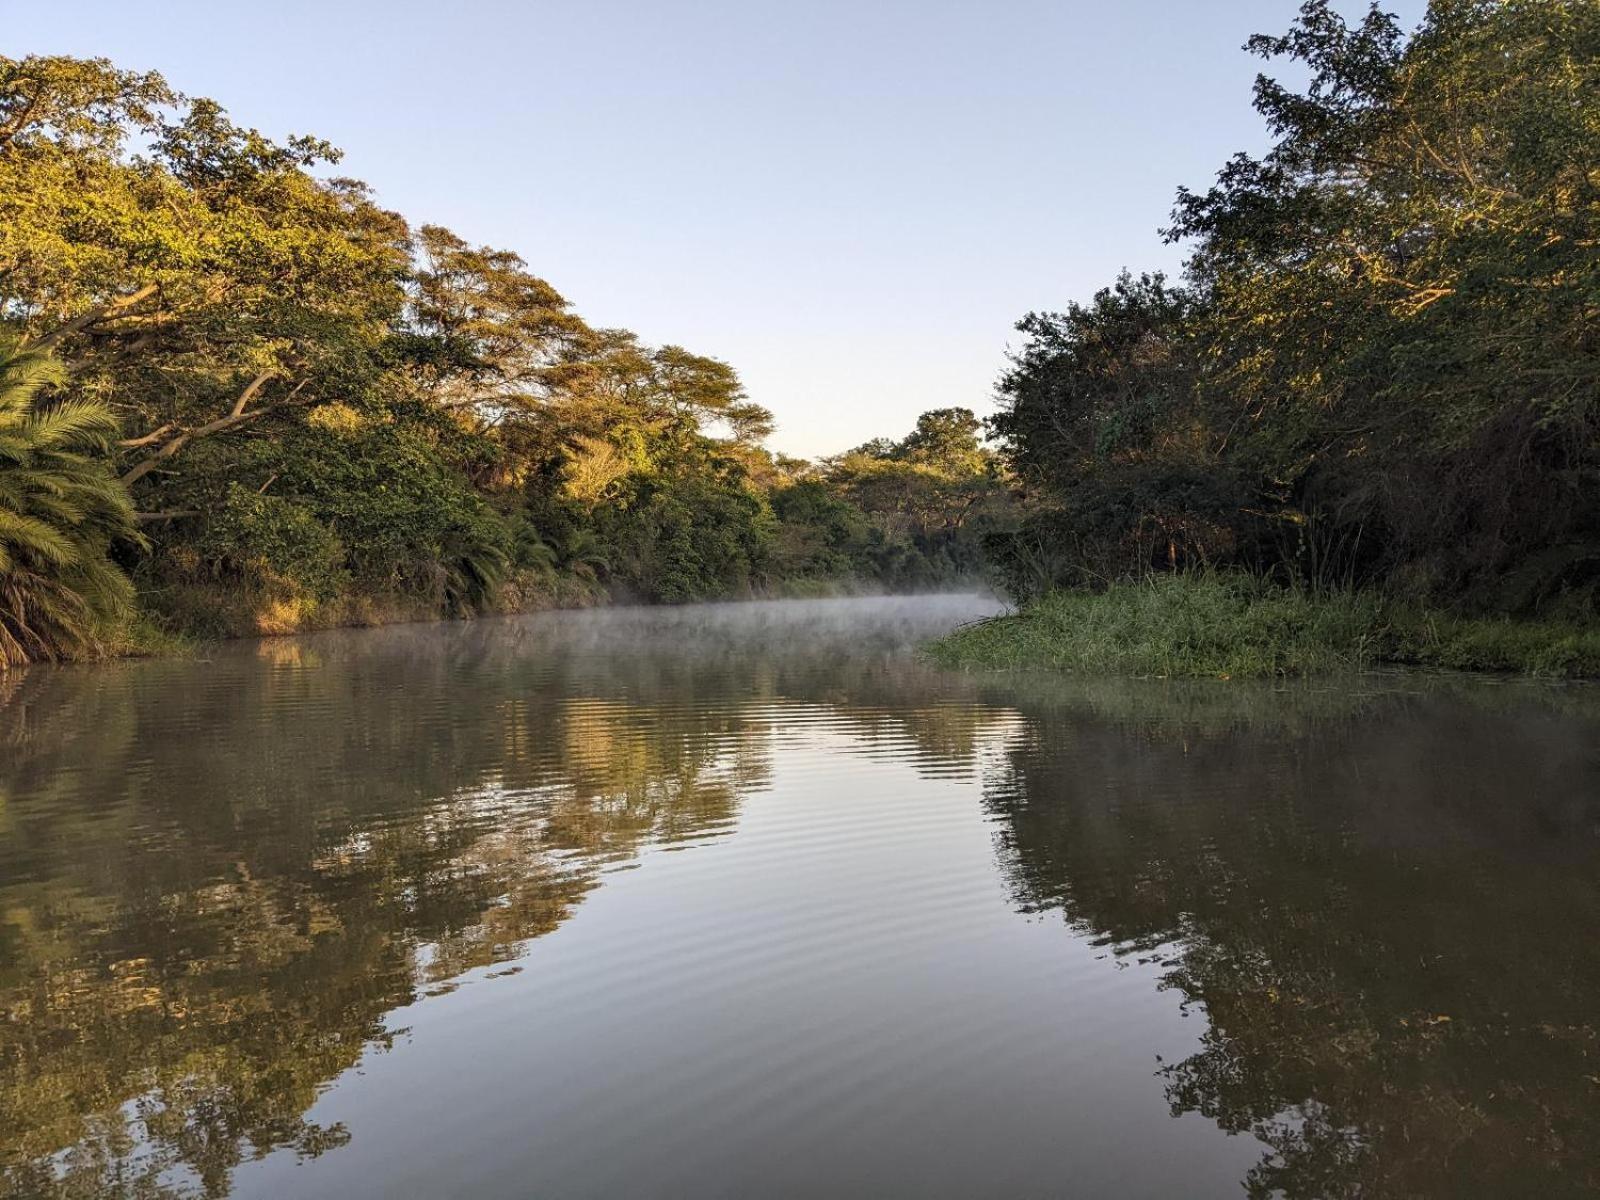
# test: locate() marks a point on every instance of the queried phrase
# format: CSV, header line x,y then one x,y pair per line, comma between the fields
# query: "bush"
x,y
684,538
274,543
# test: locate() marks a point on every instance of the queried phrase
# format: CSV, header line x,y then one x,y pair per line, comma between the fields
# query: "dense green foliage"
x,y
1383,366
325,414
1381,371
60,510
910,514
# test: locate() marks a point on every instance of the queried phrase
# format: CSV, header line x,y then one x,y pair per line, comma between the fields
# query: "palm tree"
x,y
582,554
60,509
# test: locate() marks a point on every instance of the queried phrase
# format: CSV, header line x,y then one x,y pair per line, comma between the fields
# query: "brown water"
x,y
743,900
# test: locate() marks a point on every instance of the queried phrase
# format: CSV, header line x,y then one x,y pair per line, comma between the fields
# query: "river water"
x,y
746,900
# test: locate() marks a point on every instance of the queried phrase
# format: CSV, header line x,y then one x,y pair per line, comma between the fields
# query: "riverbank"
x,y
198,616
1235,627
195,615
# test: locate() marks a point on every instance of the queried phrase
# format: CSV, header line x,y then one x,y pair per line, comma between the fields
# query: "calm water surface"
x,y
744,900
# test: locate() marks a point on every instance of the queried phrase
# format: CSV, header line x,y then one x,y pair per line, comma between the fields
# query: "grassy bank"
x,y
1236,627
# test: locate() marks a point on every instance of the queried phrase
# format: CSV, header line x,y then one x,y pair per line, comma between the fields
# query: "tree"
x,y
1401,294
60,511
483,332
326,413
1382,368
664,396
946,439
1100,418
199,288
1098,383
930,498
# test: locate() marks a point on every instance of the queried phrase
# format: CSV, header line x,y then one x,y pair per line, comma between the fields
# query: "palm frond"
x,y
80,424
61,508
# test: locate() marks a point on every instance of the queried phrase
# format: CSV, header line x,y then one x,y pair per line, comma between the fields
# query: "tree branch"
x,y
94,316
174,514
155,435
237,415
19,122
249,392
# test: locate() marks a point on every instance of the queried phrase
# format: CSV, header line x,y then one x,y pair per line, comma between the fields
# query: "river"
x,y
747,900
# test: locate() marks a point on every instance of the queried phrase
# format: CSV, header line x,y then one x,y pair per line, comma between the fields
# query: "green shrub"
x,y
269,541
683,538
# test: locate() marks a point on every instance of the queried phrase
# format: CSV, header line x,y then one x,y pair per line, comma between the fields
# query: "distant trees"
x,y
912,513
1383,366
945,439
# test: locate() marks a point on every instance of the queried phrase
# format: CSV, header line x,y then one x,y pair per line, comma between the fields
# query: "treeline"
x,y
238,395
1382,367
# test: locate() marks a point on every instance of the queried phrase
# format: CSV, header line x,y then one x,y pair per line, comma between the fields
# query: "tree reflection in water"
x,y
222,878
1385,904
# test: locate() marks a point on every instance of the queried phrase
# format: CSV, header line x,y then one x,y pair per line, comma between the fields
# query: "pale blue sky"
x,y
850,202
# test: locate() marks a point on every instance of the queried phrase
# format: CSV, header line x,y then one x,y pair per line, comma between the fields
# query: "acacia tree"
x,y
481,332
947,439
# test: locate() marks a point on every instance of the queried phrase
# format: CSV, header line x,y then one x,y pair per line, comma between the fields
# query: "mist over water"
x,y
749,899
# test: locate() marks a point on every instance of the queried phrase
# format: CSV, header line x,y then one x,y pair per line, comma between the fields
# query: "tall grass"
x,y
1233,626
1558,649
